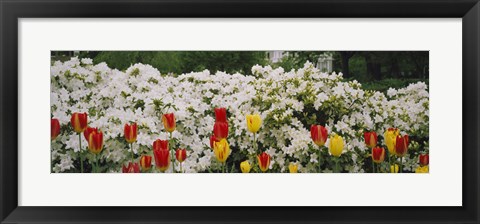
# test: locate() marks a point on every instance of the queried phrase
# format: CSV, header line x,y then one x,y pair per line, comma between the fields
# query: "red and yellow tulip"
x,y
169,122
181,155
130,132
79,122
131,168
160,145
319,134
162,159
146,163
254,122
378,154
54,128
95,142
88,131
263,161
401,145
221,150
370,139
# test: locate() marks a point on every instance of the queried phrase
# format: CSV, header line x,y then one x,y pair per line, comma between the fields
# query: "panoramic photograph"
x,y
239,112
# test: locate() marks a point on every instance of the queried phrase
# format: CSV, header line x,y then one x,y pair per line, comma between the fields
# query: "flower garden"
x,y
270,121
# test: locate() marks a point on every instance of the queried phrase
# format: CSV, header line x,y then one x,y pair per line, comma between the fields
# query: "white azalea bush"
x,y
287,101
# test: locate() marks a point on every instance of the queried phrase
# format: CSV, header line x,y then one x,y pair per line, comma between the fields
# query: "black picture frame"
x,y
11,11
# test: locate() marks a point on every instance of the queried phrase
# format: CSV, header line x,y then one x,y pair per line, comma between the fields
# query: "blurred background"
x,y
376,70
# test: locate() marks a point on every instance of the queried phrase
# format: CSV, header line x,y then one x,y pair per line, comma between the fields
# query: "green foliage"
x,y
179,62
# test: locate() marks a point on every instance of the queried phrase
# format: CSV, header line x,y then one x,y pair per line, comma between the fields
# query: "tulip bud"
x,y
131,168
181,155
79,122
336,145
254,122
293,168
378,154
95,142
160,145
213,139
319,134
401,145
54,128
221,115
222,150
169,122
146,162
88,131
370,139
130,132
162,159
424,160
263,161
245,166
390,137
421,169
394,168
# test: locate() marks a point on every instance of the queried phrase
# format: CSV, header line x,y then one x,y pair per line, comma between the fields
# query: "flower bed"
x,y
288,103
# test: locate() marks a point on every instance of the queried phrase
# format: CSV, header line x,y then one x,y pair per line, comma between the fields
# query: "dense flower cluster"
x,y
288,103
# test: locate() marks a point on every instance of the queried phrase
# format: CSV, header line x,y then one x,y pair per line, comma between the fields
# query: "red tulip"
x,y
319,134
169,122
213,139
95,142
54,129
131,168
160,145
220,114
424,160
79,122
146,162
220,130
263,161
130,132
181,155
370,139
88,131
162,159
378,154
401,145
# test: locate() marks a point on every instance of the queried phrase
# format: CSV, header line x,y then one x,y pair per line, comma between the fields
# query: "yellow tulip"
x,y
422,169
336,145
245,166
391,139
392,169
293,168
222,150
254,122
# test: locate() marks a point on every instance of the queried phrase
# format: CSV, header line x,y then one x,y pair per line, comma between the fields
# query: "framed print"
x,y
225,111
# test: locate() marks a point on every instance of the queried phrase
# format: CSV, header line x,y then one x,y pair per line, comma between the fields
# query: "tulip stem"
x,y
319,157
180,167
131,148
171,151
98,167
401,164
81,155
337,170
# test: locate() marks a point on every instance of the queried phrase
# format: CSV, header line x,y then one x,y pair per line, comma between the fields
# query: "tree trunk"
x,y
346,55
